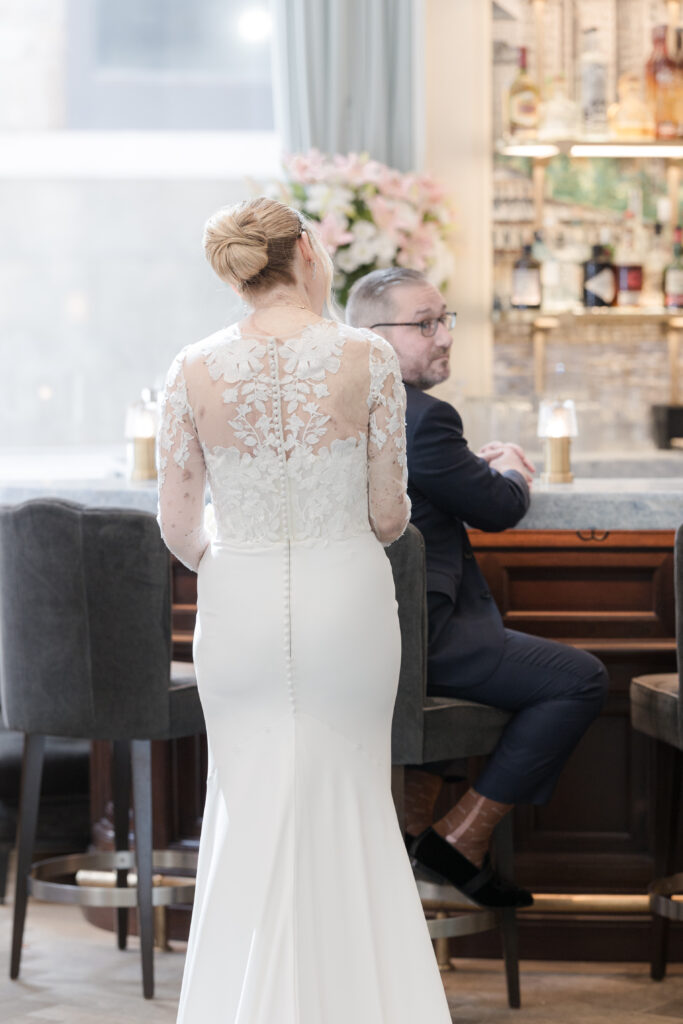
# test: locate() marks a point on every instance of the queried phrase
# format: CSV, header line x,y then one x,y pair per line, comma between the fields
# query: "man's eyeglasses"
x,y
429,327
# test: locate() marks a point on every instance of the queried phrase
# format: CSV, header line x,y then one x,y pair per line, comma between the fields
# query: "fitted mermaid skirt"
x,y
306,910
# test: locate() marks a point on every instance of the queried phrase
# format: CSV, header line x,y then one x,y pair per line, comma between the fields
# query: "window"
x,y
169,65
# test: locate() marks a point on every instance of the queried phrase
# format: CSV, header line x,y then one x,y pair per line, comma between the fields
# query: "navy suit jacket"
x,y
449,486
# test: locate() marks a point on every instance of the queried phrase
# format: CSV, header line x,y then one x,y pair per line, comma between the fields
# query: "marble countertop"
x,y
98,477
631,503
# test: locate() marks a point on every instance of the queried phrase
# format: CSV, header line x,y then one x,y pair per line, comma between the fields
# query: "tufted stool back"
x,y
85,621
429,730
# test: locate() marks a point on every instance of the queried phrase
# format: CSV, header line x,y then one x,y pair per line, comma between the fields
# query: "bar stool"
x,y
657,711
433,730
85,622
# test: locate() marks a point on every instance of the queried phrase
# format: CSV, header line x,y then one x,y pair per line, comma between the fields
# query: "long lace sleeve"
x,y
388,502
182,472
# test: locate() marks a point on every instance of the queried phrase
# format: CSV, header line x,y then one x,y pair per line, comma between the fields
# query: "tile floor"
x,y
73,974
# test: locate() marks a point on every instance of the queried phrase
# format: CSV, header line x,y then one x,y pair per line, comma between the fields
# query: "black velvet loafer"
x,y
482,885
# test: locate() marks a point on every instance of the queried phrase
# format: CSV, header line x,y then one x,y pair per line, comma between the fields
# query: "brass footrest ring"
x,y
43,884
661,892
464,916
462,924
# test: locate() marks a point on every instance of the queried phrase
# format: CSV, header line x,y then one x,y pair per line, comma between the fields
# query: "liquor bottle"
x,y
673,275
599,278
629,264
593,78
559,115
654,265
523,102
661,81
526,281
631,117
570,253
550,272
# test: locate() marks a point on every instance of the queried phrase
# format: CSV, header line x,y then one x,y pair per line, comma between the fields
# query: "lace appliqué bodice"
x,y
301,438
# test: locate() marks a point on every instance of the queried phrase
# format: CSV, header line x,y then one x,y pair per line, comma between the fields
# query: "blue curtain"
x,y
343,77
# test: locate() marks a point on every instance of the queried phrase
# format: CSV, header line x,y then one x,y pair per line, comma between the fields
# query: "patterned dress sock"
x,y
468,826
422,790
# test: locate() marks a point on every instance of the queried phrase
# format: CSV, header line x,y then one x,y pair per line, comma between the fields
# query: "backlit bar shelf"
x,y
544,149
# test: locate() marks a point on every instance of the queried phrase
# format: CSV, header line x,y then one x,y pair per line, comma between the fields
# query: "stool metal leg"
x,y
503,848
5,850
508,933
121,789
669,770
29,802
142,800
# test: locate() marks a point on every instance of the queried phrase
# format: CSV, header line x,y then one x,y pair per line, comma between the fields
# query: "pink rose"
x,y
333,231
305,167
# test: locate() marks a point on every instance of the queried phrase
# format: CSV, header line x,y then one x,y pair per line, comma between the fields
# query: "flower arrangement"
x,y
371,216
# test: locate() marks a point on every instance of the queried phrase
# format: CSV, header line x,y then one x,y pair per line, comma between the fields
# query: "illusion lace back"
x,y
306,910
302,438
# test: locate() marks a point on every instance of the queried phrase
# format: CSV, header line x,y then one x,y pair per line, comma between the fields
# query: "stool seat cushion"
x,y
654,707
186,715
455,728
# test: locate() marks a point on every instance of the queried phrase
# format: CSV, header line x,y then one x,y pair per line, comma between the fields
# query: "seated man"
x,y
553,690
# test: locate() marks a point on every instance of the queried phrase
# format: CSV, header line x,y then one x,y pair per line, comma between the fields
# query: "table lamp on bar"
x,y
557,426
141,430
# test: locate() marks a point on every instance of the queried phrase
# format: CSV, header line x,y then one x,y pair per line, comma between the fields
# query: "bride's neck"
x,y
284,299
283,311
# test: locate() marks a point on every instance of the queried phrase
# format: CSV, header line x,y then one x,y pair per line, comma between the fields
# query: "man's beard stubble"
x,y
429,380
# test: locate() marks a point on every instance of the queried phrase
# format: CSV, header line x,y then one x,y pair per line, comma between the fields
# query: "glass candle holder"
x,y
556,426
141,430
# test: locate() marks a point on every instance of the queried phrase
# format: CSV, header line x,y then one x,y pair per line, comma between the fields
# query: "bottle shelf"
x,y
544,149
542,323
547,319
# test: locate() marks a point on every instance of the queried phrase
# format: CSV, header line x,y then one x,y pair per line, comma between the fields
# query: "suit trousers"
x,y
553,690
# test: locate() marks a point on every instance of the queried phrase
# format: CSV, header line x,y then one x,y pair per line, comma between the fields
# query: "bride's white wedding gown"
x,y
306,910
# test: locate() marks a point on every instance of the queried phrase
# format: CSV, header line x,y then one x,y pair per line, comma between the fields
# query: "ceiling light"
x,y
255,25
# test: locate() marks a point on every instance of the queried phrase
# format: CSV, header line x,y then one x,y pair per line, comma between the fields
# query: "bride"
x,y
306,911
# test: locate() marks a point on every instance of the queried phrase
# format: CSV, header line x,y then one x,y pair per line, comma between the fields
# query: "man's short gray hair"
x,y
370,299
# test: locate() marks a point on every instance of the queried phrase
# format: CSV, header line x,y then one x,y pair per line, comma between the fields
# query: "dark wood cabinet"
x,y
607,592
610,593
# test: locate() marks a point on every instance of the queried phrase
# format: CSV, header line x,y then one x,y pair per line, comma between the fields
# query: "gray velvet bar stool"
x,y
427,731
85,651
657,711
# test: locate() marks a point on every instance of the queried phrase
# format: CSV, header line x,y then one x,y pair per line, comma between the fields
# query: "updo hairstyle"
x,y
251,245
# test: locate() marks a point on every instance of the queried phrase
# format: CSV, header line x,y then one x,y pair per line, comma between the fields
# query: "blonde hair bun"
x,y
235,244
252,246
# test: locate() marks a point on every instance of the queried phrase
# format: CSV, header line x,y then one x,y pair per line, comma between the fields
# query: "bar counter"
x,y
647,495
